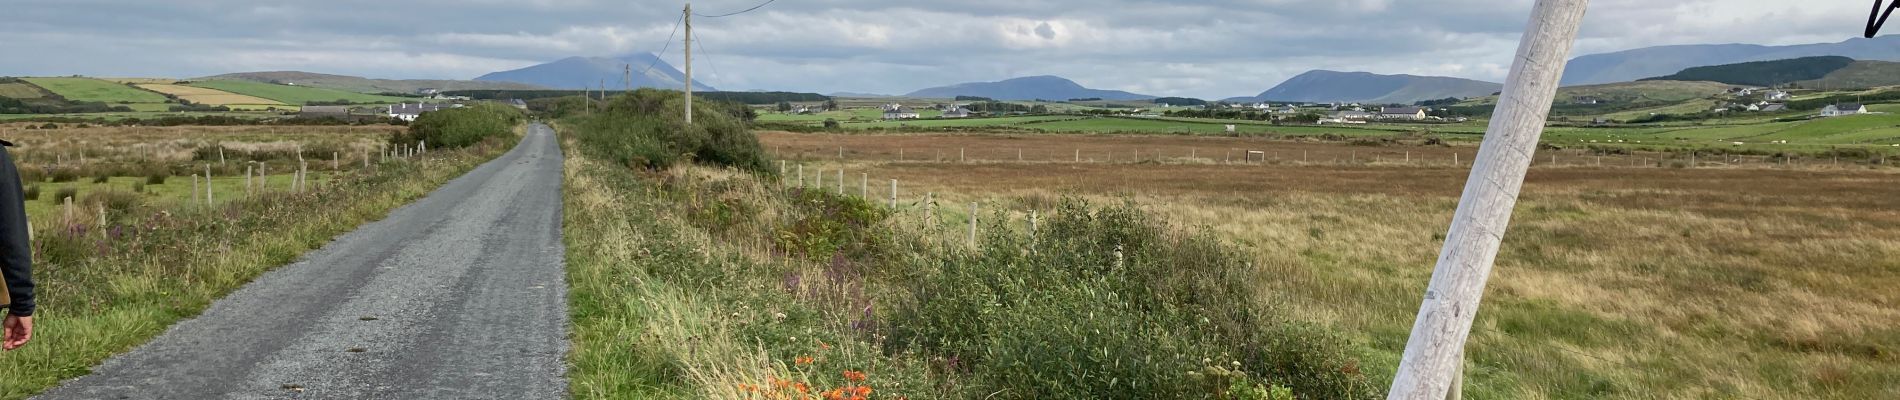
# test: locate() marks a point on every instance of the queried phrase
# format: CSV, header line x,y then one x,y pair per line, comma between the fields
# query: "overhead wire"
x,y
735,13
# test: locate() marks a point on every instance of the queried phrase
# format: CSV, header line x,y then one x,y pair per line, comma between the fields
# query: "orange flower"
x,y
803,360
823,346
854,376
864,391
802,389
835,394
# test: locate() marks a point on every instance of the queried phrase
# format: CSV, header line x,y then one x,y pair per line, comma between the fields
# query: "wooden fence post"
x,y
864,185
893,194
841,181
194,190
972,224
208,199
960,154
801,175
1436,346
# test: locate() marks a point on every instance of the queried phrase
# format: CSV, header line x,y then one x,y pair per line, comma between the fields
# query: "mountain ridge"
x,y
365,85
1638,63
1321,86
577,73
1045,87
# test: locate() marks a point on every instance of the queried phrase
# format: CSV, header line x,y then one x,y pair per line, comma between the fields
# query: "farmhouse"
x,y
1837,110
956,112
899,111
1774,107
1775,95
409,112
1350,115
1402,113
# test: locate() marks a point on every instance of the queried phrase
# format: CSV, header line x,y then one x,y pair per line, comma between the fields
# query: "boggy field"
x,y
1639,278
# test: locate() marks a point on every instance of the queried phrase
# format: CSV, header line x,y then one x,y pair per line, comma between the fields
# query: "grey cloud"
x,y
1210,49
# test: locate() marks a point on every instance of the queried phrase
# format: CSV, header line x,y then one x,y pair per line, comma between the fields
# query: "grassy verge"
x,y
690,281
107,286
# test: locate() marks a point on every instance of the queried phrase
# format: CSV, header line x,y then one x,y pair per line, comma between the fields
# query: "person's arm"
x,y
16,252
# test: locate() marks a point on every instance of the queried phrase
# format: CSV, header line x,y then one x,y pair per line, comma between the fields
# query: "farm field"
x,y
295,95
1731,280
94,90
210,96
21,91
115,116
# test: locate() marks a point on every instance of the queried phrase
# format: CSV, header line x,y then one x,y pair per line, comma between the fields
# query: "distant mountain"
x,y
1629,65
1029,88
859,95
1860,74
366,85
1366,87
575,73
1763,73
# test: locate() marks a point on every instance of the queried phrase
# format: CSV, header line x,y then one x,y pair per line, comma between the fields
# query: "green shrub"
x,y
65,193
1112,303
101,179
116,202
645,129
460,127
156,178
62,175
32,192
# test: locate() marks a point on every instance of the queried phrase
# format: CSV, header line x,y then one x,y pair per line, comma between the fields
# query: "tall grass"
x,y
710,282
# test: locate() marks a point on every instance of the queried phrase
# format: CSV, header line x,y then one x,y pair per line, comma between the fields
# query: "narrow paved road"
x,y
460,295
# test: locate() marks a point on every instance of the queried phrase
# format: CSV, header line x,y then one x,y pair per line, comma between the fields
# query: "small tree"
x,y
784,107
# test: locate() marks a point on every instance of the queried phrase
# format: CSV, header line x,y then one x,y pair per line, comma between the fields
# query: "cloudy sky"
x,y
1207,48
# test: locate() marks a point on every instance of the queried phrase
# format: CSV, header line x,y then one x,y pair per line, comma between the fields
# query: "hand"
x,y
18,331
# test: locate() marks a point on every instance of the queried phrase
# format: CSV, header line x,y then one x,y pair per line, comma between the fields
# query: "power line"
x,y
736,13
669,45
703,54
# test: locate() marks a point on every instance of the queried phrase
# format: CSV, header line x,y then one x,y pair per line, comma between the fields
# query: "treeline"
x,y
1181,101
741,97
1763,73
17,106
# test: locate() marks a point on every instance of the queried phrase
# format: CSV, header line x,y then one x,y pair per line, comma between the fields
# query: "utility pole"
x,y
1434,354
689,63
626,77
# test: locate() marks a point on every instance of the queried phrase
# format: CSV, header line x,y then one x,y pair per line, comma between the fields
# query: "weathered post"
x,y
1435,349
893,194
194,190
801,175
782,176
248,187
69,208
960,154
335,165
864,185
841,181
208,199
220,154
972,224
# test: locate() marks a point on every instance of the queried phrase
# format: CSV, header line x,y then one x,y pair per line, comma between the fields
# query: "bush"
x,y
643,129
64,193
115,201
101,179
1118,294
460,127
32,193
62,175
156,178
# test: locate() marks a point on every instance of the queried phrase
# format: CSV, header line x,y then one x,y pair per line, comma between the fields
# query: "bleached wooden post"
x,y
69,210
960,154
801,175
220,154
1032,228
334,165
1078,155
194,189
841,181
248,186
1435,349
1019,155
864,185
782,173
893,194
973,224
208,200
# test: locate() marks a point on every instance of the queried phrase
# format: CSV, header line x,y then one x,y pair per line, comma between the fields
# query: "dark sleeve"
x,y
16,253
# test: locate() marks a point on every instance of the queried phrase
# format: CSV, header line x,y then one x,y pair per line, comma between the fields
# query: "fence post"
x,y
194,191
864,185
801,175
782,176
220,154
335,165
1436,344
960,155
972,224
841,181
1078,155
248,187
893,194
69,209
1032,229
208,199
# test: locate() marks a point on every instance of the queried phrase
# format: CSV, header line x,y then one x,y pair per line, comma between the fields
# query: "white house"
x,y
409,112
1775,95
956,112
1837,110
899,111
1402,113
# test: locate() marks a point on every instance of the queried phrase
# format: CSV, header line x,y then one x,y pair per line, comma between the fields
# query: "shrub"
x,y
1119,294
64,193
642,129
101,179
62,175
156,178
32,193
114,201
460,127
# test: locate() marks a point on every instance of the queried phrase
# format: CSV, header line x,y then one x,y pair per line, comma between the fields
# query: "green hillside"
x,y
1861,74
298,95
1763,73
94,90
366,85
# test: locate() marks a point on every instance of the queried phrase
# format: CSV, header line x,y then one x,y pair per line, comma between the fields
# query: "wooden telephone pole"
x,y
689,63
1434,355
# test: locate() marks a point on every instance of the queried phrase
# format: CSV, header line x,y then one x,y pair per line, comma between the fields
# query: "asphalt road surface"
x,y
460,296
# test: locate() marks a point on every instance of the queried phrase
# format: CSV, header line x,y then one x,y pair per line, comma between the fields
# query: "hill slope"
x,y
578,73
364,85
1027,88
1366,87
298,95
1763,73
1629,65
1860,74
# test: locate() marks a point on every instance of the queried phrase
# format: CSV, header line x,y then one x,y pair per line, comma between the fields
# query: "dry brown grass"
x,y
1623,282
205,96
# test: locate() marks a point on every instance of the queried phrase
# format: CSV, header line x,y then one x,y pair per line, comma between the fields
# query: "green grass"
x,y
21,91
176,189
114,116
295,95
88,89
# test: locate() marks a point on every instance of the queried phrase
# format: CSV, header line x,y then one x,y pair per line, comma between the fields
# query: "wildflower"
x,y
823,346
802,360
863,391
854,376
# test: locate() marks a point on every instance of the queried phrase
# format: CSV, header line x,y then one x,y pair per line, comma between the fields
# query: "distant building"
x,y
956,112
1287,109
1837,110
1774,107
428,91
1402,113
409,112
315,112
518,103
1350,115
899,111
1775,95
